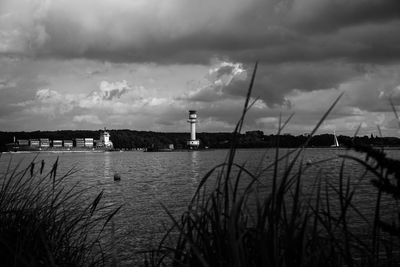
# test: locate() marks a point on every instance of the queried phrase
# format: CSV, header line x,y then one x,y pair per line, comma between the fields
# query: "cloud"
x,y
118,29
48,103
115,98
273,82
393,94
111,104
7,83
220,78
326,15
181,31
52,103
21,30
267,122
91,119
109,91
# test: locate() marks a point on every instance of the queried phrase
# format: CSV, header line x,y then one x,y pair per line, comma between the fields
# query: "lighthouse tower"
x,y
192,142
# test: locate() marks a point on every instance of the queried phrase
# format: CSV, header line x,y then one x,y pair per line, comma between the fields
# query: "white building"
x,y
105,139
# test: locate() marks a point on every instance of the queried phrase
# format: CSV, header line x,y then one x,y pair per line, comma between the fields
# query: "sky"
x,y
142,64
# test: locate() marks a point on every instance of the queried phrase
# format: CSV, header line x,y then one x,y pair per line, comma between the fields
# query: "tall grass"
x,y
45,222
231,222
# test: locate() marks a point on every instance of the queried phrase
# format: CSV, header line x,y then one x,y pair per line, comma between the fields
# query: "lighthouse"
x,y
192,142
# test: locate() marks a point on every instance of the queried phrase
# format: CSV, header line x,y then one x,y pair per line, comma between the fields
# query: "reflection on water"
x,y
195,166
149,179
107,165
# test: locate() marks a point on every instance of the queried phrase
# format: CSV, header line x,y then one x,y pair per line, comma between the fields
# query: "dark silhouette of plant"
x,y
44,222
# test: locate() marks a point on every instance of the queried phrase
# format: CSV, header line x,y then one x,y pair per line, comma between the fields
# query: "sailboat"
x,y
335,141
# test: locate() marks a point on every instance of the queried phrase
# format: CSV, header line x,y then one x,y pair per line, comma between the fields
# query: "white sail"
x,y
335,141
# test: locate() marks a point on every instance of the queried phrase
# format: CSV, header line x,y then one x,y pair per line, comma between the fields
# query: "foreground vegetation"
x,y
45,222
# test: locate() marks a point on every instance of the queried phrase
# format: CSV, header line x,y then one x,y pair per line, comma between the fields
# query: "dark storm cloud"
x,y
183,32
327,15
273,82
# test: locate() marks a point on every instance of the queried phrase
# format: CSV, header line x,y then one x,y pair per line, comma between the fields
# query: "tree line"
x,y
130,139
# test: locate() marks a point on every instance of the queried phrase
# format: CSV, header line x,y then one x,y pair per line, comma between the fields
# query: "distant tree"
x,y
128,139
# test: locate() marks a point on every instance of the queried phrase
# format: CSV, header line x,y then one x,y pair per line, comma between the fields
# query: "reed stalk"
x,y
43,221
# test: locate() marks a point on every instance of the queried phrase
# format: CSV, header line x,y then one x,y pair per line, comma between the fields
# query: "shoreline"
x,y
176,150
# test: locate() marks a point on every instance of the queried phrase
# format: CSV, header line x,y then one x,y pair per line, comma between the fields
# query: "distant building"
x,y
44,142
79,142
68,143
23,142
105,139
34,142
57,143
88,142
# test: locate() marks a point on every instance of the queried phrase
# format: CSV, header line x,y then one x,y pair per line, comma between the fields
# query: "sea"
x,y
151,180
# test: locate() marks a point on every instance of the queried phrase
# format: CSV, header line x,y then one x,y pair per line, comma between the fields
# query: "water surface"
x,y
171,178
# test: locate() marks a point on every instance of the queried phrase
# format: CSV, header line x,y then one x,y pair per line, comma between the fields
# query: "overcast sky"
x,y
142,64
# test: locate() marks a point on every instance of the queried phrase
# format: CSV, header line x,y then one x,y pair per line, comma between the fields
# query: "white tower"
x,y
193,143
